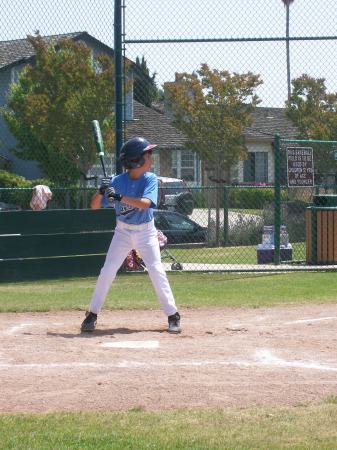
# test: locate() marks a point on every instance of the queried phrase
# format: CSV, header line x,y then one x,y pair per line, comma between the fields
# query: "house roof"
x,y
157,127
21,51
269,121
154,126
151,122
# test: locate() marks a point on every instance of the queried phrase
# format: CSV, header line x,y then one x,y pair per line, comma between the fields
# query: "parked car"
x,y
8,207
178,228
174,195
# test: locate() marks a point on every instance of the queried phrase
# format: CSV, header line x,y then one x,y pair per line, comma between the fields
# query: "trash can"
x,y
321,230
265,250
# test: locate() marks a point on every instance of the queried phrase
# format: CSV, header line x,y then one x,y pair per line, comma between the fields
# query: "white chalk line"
x,y
265,357
21,326
319,319
17,328
262,358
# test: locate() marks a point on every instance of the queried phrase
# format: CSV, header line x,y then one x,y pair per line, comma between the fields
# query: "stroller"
x,y
134,262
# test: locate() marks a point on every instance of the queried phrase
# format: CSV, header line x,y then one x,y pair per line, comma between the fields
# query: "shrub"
x,y
239,197
71,198
292,215
252,198
244,229
20,189
12,180
247,230
16,196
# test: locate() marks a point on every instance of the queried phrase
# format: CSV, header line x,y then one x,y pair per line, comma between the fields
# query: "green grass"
x,y
304,427
227,255
134,291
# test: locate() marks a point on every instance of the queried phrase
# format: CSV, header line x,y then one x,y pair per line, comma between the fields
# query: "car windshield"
x,y
173,188
179,223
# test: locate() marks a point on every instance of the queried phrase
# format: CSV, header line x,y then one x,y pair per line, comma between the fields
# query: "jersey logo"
x,y
126,209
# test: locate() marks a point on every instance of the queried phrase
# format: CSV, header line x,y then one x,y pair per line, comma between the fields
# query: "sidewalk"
x,y
201,267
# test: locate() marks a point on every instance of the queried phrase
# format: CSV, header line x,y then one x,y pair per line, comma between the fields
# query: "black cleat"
x,y
89,323
174,323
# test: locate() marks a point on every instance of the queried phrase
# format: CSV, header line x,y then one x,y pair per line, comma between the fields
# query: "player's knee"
x,y
155,268
108,271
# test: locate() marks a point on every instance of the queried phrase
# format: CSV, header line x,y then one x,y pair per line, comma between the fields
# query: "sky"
x,y
176,19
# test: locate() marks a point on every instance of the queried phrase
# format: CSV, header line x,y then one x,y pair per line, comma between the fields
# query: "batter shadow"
x,y
104,332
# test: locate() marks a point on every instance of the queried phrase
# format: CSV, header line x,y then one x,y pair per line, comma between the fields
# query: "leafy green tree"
x,y
212,108
314,112
145,89
51,107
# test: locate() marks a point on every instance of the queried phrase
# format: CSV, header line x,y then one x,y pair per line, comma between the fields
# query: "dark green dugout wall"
x,y
53,244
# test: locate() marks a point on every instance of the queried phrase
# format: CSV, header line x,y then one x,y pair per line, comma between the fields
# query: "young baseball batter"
x,y
135,195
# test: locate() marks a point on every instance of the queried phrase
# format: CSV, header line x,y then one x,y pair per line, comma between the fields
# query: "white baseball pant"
x,y
144,238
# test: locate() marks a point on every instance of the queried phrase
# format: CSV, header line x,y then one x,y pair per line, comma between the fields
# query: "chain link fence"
x,y
210,83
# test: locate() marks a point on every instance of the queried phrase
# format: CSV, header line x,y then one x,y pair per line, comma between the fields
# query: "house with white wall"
x,y
259,138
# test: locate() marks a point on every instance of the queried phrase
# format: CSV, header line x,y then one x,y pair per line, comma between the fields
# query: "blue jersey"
x,y
144,187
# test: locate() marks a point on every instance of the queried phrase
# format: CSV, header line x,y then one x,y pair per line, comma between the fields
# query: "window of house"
x,y
15,72
155,168
174,164
184,165
255,168
97,67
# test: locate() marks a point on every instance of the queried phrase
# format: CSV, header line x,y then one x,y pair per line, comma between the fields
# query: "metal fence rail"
x,y
252,80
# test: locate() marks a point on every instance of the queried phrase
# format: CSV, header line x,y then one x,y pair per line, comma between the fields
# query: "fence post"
x,y
313,235
225,216
118,83
277,198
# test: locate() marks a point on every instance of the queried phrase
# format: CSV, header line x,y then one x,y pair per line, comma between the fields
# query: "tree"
x,y
314,111
51,107
287,4
145,89
212,108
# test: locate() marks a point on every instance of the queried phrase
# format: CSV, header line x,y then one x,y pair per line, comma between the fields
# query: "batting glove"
x,y
111,193
105,183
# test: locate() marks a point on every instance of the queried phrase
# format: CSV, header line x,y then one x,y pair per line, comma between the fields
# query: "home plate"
x,y
132,344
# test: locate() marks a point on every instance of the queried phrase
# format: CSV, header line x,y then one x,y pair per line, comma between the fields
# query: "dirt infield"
x,y
224,357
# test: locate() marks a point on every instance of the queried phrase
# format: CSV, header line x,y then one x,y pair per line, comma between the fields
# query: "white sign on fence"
x,y
300,166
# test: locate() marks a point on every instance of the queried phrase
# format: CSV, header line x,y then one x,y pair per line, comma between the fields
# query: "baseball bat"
x,y
99,143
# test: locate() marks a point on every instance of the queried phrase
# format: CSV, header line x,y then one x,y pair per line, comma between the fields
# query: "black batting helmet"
x,y
132,152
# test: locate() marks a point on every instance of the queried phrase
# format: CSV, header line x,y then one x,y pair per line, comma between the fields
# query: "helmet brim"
x,y
149,147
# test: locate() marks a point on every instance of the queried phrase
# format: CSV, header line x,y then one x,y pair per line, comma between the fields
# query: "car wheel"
x,y
176,266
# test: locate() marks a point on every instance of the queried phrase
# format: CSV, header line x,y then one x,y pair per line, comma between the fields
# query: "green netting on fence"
x,y
229,91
